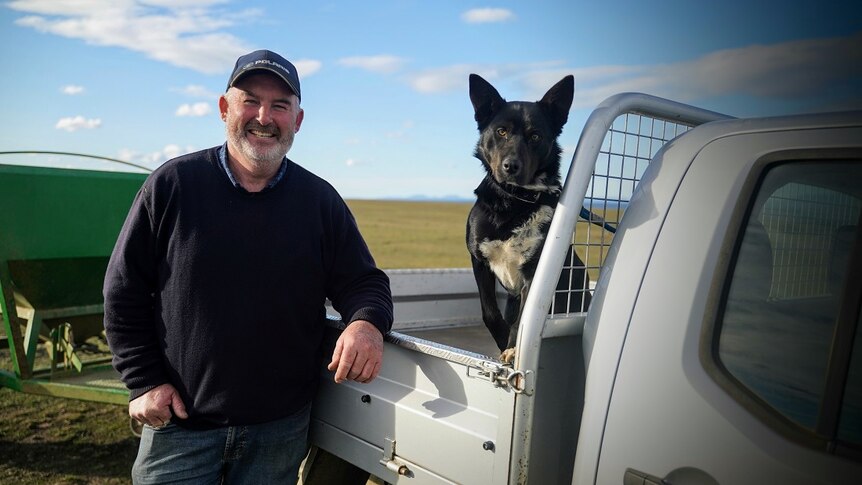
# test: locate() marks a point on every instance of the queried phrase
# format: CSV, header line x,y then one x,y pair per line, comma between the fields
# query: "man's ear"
x,y
299,117
222,107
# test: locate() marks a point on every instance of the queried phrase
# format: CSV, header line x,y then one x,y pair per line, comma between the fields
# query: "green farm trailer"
x,y
57,230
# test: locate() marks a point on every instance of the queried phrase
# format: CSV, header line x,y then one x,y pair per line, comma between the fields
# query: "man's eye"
x,y
502,132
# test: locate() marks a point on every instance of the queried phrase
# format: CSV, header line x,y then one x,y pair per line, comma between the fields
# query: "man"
x,y
215,291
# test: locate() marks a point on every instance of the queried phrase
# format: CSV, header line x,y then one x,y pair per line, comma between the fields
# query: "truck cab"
x,y
722,344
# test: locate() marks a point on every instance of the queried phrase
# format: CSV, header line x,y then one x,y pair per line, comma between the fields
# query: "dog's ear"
x,y
486,100
558,100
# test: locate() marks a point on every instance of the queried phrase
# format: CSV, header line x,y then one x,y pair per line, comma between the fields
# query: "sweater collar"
x,y
222,158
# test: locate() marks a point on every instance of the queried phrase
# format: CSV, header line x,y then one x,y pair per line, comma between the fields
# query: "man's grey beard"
x,y
261,158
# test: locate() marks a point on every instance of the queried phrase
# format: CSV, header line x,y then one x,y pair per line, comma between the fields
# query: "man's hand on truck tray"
x,y
358,353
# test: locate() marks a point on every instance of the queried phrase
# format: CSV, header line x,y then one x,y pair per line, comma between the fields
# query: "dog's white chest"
x,y
506,257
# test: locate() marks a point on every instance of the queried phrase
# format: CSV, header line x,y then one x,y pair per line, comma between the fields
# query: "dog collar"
x,y
532,196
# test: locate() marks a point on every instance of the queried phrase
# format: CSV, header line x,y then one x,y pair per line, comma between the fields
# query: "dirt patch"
x,y
47,440
54,441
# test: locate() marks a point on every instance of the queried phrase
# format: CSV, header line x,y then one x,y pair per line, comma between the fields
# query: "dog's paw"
x,y
508,356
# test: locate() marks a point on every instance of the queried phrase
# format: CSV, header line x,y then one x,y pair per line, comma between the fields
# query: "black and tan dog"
x,y
515,202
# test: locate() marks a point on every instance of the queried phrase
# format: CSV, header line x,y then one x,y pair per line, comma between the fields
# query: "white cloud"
x,y
76,123
382,63
781,70
49,7
173,151
197,109
486,15
183,3
156,158
183,39
307,67
126,154
72,90
455,77
197,91
450,78
186,33
350,162
795,69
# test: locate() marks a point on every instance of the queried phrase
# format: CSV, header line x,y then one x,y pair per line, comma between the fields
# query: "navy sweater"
x,y
221,292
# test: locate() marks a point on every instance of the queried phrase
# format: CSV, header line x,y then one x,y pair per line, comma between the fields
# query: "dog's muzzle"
x,y
511,167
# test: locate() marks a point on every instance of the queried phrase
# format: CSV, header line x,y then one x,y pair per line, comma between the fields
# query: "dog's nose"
x,y
511,167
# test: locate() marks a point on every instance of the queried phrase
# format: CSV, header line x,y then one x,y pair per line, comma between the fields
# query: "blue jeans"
x,y
236,455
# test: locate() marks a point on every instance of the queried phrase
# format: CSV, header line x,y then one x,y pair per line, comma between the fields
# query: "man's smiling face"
x,y
261,116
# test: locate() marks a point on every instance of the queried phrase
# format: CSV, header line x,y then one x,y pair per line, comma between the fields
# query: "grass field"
x,y
408,234
432,234
45,440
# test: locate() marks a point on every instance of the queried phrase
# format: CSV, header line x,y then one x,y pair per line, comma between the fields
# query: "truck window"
x,y
787,299
850,426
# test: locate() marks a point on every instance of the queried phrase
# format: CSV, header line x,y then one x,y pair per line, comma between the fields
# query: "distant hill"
x,y
455,198
428,198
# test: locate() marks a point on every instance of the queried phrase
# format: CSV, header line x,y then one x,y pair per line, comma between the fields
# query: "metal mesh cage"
x,y
629,145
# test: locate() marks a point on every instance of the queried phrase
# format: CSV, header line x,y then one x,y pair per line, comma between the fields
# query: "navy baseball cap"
x,y
270,61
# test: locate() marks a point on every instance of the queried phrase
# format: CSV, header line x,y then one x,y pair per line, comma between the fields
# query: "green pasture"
x,y
406,234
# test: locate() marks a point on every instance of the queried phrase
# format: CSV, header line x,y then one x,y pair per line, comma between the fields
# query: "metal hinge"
x,y
391,463
500,376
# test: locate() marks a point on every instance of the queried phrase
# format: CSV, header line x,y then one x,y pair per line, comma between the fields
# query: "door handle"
x,y
683,475
634,477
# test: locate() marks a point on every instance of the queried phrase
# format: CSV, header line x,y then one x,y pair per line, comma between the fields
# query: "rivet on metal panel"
x,y
488,446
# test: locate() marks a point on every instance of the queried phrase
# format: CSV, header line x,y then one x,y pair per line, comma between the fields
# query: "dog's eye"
x,y
535,137
502,132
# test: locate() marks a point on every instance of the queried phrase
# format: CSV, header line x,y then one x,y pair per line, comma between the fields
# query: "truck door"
x,y
742,362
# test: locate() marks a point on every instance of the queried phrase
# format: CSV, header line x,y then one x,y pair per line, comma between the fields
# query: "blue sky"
x,y
384,83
